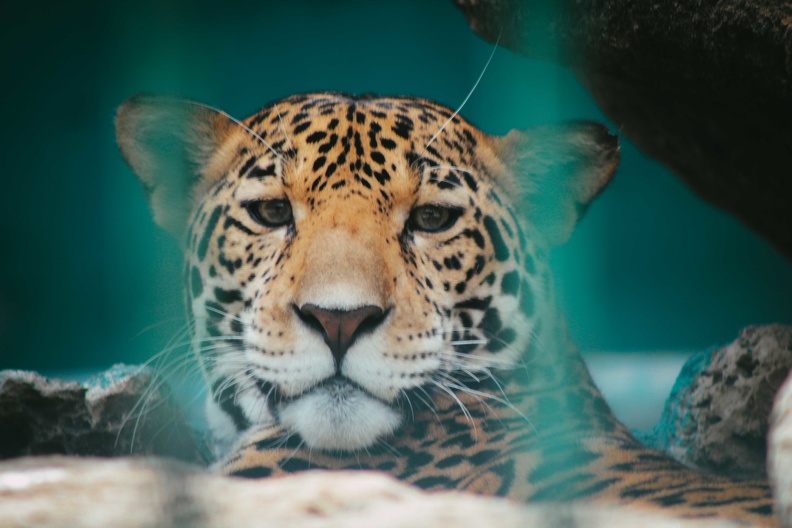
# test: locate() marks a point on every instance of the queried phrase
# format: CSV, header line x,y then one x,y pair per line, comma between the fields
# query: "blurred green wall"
x,y
86,279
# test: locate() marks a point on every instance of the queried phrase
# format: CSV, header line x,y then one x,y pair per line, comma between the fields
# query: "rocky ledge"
x,y
703,86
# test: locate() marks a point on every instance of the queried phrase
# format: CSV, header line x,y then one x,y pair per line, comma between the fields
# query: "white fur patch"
x,y
339,416
224,432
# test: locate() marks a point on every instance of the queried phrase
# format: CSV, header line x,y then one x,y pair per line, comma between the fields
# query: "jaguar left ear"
x,y
557,171
175,148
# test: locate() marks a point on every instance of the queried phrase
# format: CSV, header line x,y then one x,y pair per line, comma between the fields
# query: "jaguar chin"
x,y
338,415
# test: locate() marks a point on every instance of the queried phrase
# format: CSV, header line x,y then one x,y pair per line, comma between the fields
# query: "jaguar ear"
x,y
173,146
558,170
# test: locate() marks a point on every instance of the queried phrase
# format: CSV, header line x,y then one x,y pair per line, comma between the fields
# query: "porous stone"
x,y
717,416
124,410
134,493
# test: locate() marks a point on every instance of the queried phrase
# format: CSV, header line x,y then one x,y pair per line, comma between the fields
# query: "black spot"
x,y
526,298
358,144
382,176
230,221
316,137
482,457
203,245
530,266
295,464
507,473
259,173
325,147
378,157
491,321
319,163
449,461
478,267
470,181
246,167
474,303
330,170
452,263
510,284
225,398
196,284
672,499
501,250
435,482
476,235
766,509
402,130
301,127
298,117
253,472
227,296
388,143
460,287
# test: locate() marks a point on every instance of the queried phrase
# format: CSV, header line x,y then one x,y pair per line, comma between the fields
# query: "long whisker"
x,y
283,128
236,121
469,93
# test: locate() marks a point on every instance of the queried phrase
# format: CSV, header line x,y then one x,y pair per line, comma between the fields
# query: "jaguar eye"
x,y
432,218
270,213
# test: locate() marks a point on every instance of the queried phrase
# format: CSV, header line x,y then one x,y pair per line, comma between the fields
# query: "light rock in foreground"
x,y
131,493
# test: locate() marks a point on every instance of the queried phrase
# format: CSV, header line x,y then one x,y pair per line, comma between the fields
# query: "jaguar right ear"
x,y
556,171
175,148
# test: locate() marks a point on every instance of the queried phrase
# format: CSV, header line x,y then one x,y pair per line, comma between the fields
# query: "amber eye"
x,y
432,218
270,213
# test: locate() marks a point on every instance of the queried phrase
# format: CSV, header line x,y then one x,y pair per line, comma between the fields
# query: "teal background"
x,y
86,279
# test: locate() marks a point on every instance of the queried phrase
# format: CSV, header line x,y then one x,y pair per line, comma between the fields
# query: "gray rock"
x,y
703,86
113,413
717,416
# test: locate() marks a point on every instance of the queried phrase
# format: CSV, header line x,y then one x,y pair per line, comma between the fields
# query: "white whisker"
x,y
468,95
235,120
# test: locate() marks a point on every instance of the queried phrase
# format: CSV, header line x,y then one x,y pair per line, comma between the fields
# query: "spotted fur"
x,y
351,337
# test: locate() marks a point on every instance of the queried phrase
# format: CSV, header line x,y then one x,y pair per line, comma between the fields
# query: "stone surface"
x,y
779,456
703,86
717,416
113,413
131,493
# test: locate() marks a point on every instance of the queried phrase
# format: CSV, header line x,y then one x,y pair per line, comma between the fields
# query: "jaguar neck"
x,y
552,386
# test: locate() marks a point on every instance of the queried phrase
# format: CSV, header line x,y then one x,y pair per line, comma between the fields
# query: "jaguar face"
x,y
350,257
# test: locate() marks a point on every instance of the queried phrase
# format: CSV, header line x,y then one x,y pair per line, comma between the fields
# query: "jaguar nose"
x,y
341,328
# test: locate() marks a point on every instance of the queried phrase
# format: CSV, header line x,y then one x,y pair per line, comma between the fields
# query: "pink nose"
x,y
341,327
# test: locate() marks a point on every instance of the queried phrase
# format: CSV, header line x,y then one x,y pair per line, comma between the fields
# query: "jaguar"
x,y
368,286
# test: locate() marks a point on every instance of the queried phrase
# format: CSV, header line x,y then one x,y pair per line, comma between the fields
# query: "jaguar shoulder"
x,y
369,288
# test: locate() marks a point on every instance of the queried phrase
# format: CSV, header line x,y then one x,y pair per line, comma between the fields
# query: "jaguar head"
x,y
349,256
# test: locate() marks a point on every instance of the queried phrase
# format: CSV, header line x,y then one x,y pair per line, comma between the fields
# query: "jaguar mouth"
x,y
336,415
337,385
